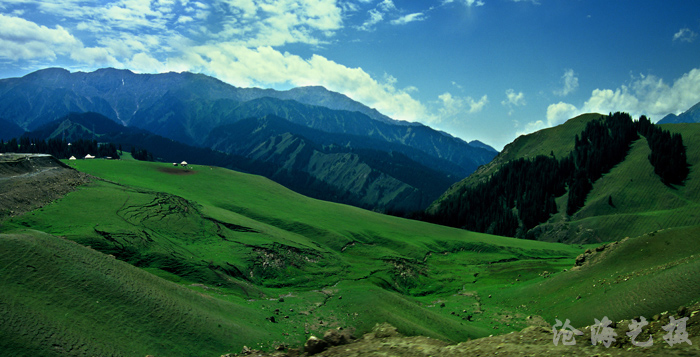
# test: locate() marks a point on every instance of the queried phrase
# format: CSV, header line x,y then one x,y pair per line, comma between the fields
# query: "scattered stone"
x,y
281,300
293,352
384,330
338,337
315,345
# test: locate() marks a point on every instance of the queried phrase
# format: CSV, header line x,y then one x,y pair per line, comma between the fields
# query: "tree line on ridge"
x,y
521,194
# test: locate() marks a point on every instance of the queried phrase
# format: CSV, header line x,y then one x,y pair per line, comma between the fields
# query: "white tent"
x,y
88,156
184,163
72,158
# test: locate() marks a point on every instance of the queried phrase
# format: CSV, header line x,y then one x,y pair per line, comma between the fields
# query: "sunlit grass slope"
x,y
242,240
61,298
641,276
641,203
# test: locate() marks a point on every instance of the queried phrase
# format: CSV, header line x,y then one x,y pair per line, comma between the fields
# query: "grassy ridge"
x,y
63,298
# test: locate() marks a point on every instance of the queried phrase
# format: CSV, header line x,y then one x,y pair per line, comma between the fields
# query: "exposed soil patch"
x,y
536,340
176,171
28,182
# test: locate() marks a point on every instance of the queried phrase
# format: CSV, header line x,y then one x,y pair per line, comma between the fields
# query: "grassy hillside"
x,y
229,259
62,298
641,203
558,140
642,276
248,241
630,200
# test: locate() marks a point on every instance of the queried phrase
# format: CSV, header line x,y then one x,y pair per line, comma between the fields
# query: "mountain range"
x,y
386,164
691,115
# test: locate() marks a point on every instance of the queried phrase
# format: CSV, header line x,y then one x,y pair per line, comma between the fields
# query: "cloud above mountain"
x,y
644,95
400,57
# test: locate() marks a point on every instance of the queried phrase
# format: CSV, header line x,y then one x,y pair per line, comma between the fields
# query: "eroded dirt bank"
x,y
30,181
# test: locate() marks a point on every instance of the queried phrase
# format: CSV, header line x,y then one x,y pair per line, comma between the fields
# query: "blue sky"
x,y
478,69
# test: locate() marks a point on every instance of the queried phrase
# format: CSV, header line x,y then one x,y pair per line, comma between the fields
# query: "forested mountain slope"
x,y
543,186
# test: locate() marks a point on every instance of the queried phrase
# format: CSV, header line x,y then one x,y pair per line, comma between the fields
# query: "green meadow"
x,y
162,260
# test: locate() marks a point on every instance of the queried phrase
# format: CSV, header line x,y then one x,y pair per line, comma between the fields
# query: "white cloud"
x,y
386,5
570,83
648,95
477,105
514,99
143,63
419,16
22,39
556,114
531,127
385,9
468,3
184,19
449,108
375,17
99,56
265,66
473,3
644,95
685,35
559,113
535,2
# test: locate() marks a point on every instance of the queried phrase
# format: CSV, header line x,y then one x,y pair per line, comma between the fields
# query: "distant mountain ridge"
x,y
691,115
186,106
337,167
189,108
388,178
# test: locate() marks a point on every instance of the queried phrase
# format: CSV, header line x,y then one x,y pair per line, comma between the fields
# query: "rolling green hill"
x,y
230,259
629,200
